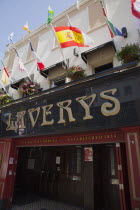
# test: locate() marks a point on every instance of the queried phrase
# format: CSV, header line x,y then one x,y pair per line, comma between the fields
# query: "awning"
x,y
107,44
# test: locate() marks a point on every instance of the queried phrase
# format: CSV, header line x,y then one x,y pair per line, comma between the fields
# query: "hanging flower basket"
x,y
4,98
129,53
75,72
30,88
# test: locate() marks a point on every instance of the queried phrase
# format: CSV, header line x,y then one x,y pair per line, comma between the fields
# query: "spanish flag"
x,y
70,36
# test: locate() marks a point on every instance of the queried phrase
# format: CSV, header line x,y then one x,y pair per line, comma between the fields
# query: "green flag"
x,y
50,14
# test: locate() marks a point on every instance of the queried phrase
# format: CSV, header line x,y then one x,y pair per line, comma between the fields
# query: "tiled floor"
x,y
41,204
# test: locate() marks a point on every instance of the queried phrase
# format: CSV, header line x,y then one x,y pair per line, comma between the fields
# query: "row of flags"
x,y
67,36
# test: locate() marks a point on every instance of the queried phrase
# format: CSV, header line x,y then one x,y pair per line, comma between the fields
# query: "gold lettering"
x,y
46,111
81,100
67,108
10,124
20,118
30,111
104,108
14,125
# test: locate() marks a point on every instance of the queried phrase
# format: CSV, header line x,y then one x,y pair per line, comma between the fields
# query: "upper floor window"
x,y
58,82
103,67
96,17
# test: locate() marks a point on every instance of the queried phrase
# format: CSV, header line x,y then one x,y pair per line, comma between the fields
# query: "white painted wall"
x,y
118,12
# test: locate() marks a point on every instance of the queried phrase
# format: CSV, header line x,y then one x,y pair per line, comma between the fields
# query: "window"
x,y
58,82
96,17
103,67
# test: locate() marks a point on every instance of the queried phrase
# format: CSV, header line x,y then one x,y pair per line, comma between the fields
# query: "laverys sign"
x,y
74,109
64,108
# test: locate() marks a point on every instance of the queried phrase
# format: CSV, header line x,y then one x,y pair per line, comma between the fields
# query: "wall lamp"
x,y
124,32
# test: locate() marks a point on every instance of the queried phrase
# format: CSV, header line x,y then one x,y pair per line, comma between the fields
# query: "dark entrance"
x,y
51,172
106,181
62,174
65,174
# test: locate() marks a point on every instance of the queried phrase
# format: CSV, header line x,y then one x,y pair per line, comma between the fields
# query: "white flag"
x,y
78,4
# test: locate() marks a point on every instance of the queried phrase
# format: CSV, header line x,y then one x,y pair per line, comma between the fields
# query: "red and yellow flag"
x,y
70,36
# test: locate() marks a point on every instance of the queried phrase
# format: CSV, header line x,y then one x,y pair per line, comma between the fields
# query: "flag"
x,y
50,14
20,63
112,29
77,4
26,27
2,84
40,65
4,77
10,37
70,36
6,72
135,6
88,40
5,69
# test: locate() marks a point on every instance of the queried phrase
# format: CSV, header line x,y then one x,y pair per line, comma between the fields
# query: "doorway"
x,y
50,172
67,174
106,180
106,183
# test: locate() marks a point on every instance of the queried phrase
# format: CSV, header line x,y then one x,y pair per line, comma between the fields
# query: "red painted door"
x,y
133,159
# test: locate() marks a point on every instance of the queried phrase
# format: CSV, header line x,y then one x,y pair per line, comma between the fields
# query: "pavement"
x,y
39,203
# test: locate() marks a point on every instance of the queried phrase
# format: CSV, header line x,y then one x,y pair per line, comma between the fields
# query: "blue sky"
x,y
15,13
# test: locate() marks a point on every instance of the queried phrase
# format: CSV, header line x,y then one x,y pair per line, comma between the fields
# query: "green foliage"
x,y
129,53
75,72
4,98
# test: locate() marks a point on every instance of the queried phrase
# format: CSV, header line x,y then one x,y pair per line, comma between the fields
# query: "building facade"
x,y
74,141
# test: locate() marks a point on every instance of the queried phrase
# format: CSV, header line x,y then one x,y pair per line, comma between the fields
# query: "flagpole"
x,y
5,71
71,25
104,12
59,44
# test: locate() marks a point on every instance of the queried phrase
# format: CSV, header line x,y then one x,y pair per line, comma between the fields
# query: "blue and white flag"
x,y
10,37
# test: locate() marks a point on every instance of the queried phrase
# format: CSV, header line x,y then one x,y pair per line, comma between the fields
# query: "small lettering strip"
x,y
79,139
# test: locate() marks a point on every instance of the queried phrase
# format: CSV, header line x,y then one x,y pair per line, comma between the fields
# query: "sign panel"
x,y
88,154
105,103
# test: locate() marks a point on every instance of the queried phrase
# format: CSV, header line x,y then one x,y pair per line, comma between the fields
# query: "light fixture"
x,y
124,32
75,53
